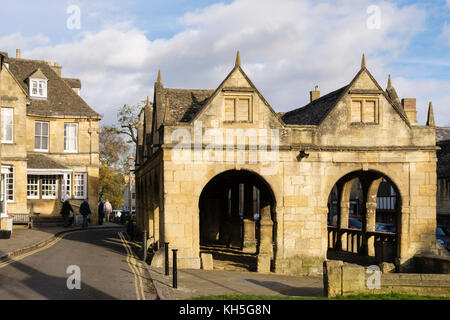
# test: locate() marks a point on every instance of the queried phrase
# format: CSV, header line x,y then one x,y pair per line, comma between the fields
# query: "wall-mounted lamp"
x,y
302,155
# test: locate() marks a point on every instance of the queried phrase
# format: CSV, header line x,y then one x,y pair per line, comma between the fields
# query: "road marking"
x,y
135,266
48,245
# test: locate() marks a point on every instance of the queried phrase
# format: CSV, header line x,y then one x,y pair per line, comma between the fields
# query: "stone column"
x,y
371,209
344,205
249,236
266,242
370,217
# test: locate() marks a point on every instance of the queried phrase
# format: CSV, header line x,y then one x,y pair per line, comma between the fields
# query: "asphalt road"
x,y
107,270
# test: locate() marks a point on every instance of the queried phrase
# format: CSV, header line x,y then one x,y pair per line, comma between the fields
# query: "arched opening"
x,y
237,220
364,217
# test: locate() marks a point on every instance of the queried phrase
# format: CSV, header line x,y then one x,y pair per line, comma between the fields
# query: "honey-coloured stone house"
x,y
220,170
49,147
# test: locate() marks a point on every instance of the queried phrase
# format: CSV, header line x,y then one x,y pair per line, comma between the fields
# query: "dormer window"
x,y
38,85
38,88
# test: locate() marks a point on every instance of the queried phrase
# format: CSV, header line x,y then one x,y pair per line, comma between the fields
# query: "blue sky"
x,y
287,46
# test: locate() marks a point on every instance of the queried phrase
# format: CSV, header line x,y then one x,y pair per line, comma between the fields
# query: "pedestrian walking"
x,y
101,212
65,212
85,211
107,210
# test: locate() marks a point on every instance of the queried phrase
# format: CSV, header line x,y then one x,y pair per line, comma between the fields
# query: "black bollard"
x,y
174,270
166,257
144,247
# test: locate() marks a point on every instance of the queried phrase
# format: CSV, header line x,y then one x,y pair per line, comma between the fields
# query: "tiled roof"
x,y
314,112
185,103
61,99
40,161
73,83
443,163
442,133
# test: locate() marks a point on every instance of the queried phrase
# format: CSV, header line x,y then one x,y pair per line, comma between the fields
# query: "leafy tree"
x,y
113,152
128,119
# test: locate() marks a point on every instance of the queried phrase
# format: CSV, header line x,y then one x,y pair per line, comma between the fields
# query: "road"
x,y
106,266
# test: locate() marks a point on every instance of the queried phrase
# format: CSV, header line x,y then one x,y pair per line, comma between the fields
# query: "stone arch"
x,y
363,240
237,210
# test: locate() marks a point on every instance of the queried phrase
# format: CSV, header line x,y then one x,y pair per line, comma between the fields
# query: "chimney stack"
x,y
57,68
314,95
17,53
409,105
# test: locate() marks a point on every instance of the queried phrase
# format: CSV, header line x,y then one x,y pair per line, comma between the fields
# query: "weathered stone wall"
x,y
15,154
345,279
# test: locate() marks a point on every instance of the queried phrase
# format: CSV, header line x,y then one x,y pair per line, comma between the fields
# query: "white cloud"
x,y
286,48
448,3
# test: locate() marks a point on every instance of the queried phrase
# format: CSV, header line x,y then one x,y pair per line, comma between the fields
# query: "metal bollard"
x,y
166,257
144,247
174,270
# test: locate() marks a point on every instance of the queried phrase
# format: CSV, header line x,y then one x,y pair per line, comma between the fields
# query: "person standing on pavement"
x,y
101,212
107,210
85,211
65,212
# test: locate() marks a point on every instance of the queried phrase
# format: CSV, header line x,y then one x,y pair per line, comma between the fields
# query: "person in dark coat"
x,y
101,212
65,212
85,211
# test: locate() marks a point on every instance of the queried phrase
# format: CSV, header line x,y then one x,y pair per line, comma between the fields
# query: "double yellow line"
x,y
135,267
39,249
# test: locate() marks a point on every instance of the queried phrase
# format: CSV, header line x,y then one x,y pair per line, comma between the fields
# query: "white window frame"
x,y
33,184
77,186
56,186
5,125
38,82
66,137
66,186
9,183
41,135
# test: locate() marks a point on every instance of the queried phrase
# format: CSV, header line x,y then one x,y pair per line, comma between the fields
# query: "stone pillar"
x,y
370,217
403,260
344,205
343,224
249,236
266,242
371,209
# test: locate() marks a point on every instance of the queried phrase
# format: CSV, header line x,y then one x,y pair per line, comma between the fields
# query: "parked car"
x,y
385,227
354,223
443,237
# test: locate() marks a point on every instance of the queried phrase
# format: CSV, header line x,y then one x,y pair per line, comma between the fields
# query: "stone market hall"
x,y
351,175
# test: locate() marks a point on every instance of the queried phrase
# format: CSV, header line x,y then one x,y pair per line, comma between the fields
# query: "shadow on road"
x,y
48,287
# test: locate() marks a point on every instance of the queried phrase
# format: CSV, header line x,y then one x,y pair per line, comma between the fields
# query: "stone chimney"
x,y
409,105
17,53
57,68
314,94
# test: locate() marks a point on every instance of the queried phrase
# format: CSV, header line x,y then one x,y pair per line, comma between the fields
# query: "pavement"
x,y
23,239
196,283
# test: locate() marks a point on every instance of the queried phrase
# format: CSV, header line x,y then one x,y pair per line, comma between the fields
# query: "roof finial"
x,y
430,120
147,104
363,62
389,82
238,59
159,77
